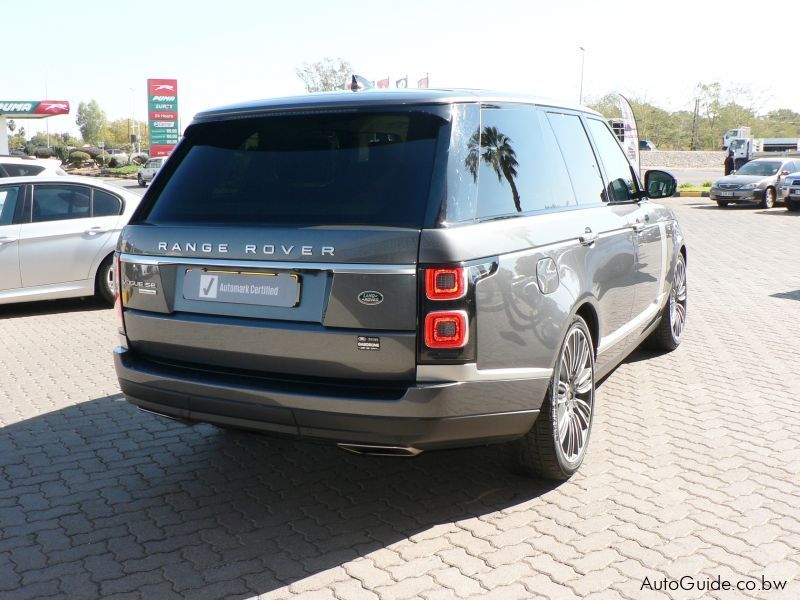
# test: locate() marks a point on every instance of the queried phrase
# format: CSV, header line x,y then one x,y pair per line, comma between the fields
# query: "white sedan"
x,y
58,235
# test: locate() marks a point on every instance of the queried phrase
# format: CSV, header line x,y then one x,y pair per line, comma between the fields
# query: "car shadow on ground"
x,y
793,295
781,212
51,307
100,498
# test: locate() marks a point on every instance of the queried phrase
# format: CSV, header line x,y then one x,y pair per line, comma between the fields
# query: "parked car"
x,y
22,166
57,236
398,271
756,182
149,170
790,191
646,145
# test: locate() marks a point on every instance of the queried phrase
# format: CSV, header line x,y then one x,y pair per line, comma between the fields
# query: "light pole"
x,y
583,60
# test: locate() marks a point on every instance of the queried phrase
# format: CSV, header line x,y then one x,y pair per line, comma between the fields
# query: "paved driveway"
x,y
693,470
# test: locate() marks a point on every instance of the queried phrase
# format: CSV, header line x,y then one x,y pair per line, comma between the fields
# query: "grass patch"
x,y
687,187
126,170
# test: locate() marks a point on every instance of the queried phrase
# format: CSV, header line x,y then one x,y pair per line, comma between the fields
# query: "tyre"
x,y
769,198
669,333
722,203
556,444
140,180
105,286
792,205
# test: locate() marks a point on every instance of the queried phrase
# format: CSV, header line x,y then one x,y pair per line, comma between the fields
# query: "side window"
x,y
150,164
59,202
579,156
8,203
622,184
519,170
22,170
105,204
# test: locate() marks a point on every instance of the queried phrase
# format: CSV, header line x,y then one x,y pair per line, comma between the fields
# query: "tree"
x,y
324,75
91,120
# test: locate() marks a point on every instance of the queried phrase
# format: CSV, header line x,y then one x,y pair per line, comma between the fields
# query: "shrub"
x,y
117,161
101,160
139,159
706,184
43,152
61,153
78,157
91,151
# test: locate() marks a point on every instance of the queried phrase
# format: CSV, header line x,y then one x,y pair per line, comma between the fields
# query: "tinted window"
x,y
105,204
58,202
14,170
580,159
621,182
8,202
150,164
322,169
518,169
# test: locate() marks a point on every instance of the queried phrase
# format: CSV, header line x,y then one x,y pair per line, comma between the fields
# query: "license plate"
x,y
726,194
242,287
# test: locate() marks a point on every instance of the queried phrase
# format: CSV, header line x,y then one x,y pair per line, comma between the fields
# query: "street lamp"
x,y
583,60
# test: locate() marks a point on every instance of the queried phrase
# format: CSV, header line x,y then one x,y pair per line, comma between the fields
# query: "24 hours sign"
x,y
162,100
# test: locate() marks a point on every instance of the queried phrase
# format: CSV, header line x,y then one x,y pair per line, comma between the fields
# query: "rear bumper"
x,y
423,415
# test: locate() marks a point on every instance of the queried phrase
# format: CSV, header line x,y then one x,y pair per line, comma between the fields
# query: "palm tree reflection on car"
x,y
495,150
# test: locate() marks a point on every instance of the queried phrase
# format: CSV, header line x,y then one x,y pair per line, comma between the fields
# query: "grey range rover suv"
x,y
397,271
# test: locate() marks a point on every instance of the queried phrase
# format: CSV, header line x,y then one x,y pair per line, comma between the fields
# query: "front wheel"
x,y
556,444
140,180
769,198
669,333
792,206
722,203
105,286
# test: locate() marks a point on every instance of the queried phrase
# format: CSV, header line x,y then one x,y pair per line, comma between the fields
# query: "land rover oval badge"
x,y
370,298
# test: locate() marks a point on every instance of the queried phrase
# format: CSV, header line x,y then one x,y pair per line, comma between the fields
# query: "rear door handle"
x,y
588,237
96,231
7,240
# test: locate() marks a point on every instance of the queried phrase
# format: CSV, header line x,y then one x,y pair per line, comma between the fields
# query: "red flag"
x,y
423,83
383,83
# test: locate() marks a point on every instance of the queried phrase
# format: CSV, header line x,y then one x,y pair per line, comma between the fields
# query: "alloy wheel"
x,y
677,300
574,395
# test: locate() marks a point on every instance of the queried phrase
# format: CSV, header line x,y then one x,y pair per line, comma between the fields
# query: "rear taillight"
x,y
445,283
446,329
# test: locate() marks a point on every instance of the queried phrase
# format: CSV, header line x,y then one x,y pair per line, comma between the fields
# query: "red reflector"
x,y
446,329
445,284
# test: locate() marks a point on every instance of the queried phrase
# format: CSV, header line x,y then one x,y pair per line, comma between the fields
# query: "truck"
x,y
760,144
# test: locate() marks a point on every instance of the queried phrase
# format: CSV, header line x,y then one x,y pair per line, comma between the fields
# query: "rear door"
x,y
286,245
61,239
11,198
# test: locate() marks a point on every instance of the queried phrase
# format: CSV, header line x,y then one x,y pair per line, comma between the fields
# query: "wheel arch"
x,y
588,312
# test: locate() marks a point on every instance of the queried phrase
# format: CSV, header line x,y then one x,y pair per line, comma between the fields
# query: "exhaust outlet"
x,y
406,451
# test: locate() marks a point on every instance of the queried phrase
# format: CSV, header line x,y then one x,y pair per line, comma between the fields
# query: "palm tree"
x,y
497,152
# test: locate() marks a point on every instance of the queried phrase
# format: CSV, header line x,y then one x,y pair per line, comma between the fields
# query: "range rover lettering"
x,y
397,271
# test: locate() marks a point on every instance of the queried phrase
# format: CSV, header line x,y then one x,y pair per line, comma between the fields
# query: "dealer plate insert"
x,y
365,342
242,287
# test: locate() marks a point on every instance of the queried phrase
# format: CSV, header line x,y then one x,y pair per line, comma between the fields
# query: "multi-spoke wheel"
x,y
555,446
669,333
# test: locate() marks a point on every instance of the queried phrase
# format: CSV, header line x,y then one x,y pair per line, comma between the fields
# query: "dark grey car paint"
x,y
621,279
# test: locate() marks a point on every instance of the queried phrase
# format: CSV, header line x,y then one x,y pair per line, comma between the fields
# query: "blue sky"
x,y
233,50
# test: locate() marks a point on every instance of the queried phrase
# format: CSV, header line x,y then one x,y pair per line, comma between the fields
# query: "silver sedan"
x,y
757,182
58,235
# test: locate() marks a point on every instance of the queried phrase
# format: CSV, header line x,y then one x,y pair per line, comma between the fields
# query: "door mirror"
x,y
659,184
784,173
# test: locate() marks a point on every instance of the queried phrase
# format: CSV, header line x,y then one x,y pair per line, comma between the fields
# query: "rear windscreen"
x,y
349,168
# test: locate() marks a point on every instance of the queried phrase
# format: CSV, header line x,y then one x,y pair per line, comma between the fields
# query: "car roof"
x,y
76,179
378,97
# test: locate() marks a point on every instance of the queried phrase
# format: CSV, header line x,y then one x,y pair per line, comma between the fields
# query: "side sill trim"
x,y
471,372
637,322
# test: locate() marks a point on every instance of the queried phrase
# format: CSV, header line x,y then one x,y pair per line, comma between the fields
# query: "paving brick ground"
x,y
693,469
